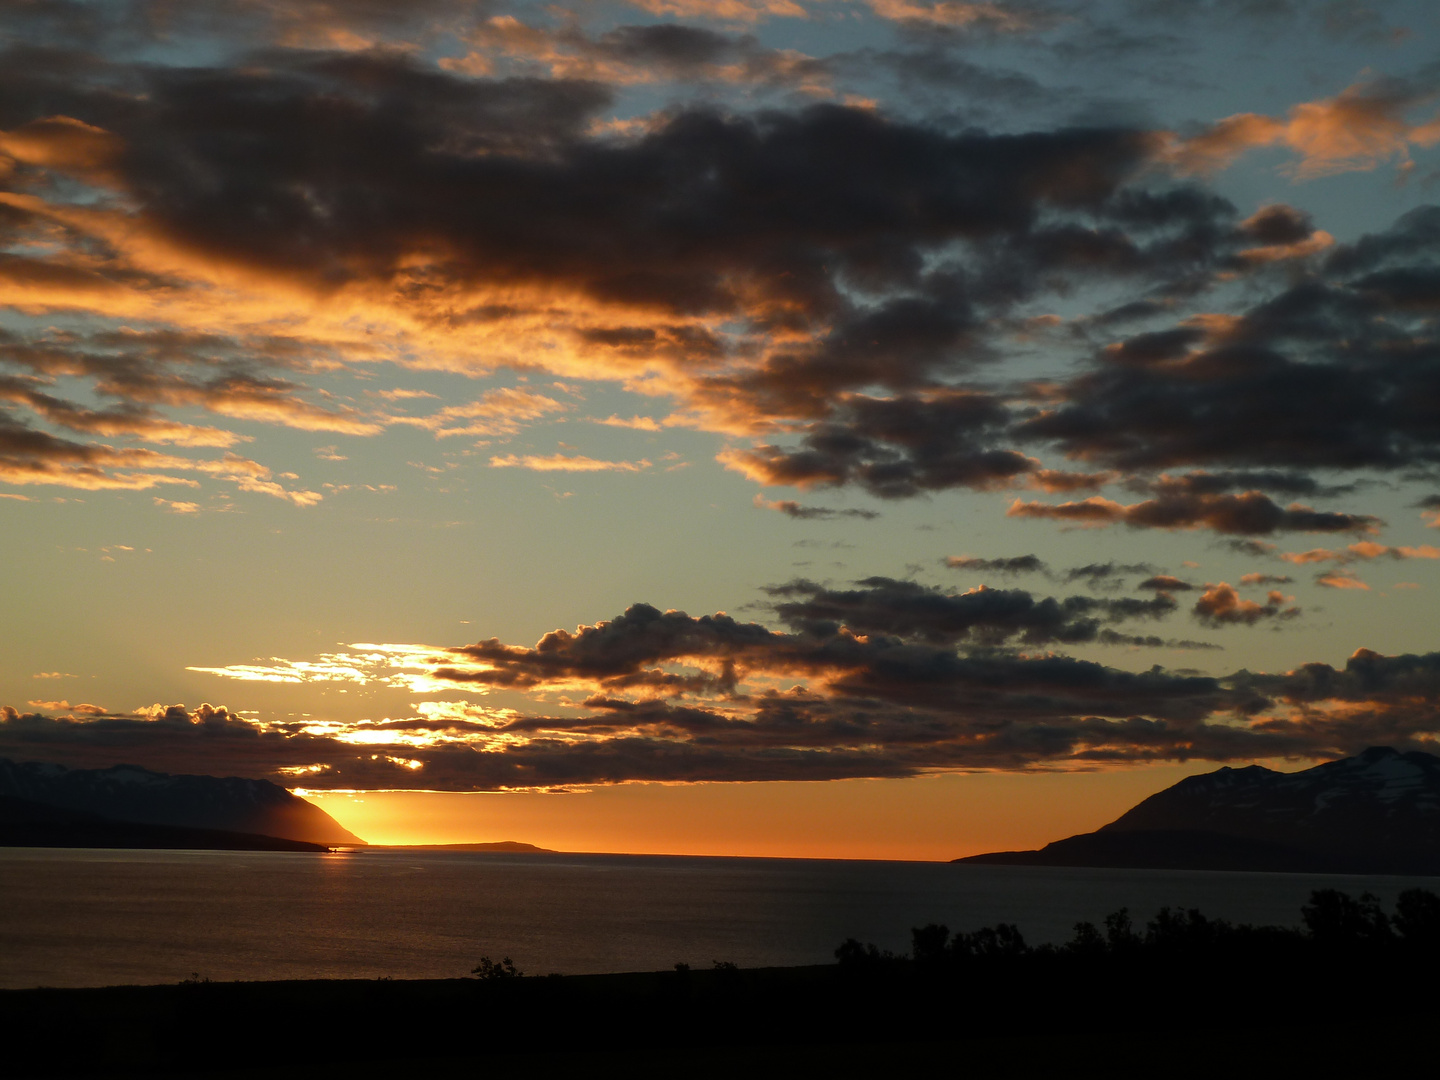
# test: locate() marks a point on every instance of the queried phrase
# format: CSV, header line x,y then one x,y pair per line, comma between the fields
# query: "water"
x,y
98,918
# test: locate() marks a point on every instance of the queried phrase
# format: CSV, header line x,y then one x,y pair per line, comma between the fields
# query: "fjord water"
x,y
99,918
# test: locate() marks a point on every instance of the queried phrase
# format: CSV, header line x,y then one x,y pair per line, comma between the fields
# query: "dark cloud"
x,y
1166,583
1332,372
1279,224
839,283
863,264
1215,483
895,448
1015,564
890,709
791,508
1252,513
983,616
1254,548
1103,575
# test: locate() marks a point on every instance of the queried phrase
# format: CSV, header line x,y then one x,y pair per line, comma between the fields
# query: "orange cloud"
x,y
639,423
1221,604
1340,579
177,507
66,145
1365,549
499,412
957,14
565,463
1265,579
1359,129
1057,481
745,11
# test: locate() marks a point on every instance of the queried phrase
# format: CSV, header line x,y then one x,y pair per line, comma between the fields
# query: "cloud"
x,y
1340,579
1106,574
30,456
564,463
128,420
1165,583
177,507
1364,550
957,14
793,509
1252,513
1014,564
502,411
1360,128
837,289
638,423
630,55
895,448
863,705
980,616
734,11
1221,605
1265,579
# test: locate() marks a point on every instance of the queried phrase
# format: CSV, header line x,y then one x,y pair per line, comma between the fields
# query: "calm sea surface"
x,y
97,918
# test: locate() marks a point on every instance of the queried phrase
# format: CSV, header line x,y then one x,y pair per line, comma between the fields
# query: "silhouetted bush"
x,y
1336,924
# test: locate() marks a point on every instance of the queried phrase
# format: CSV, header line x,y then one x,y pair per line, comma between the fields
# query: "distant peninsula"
x,y
511,847
1375,813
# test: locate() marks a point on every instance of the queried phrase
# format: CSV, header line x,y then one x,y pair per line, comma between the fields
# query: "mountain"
x,y
1377,812
126,793
30,824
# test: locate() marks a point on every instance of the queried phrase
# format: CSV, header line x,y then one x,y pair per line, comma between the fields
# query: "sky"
x,y
849,428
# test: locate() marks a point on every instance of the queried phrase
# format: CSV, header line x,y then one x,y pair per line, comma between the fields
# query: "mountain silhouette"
x,y
136,796
30,824
1377,812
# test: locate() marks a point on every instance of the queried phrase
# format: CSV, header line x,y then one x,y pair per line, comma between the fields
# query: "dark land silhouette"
x,y
1353,988
1375,813
30,824
138,797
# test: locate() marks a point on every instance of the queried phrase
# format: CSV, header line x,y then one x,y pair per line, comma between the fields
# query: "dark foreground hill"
x,y
30,824
1377,813
126,793
1186,997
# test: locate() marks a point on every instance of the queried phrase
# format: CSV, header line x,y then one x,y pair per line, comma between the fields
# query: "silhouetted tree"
x,y
928,946
1120,932
489,969
1088,941
1179,931
859,959
1337,920
1417,919
1000,940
